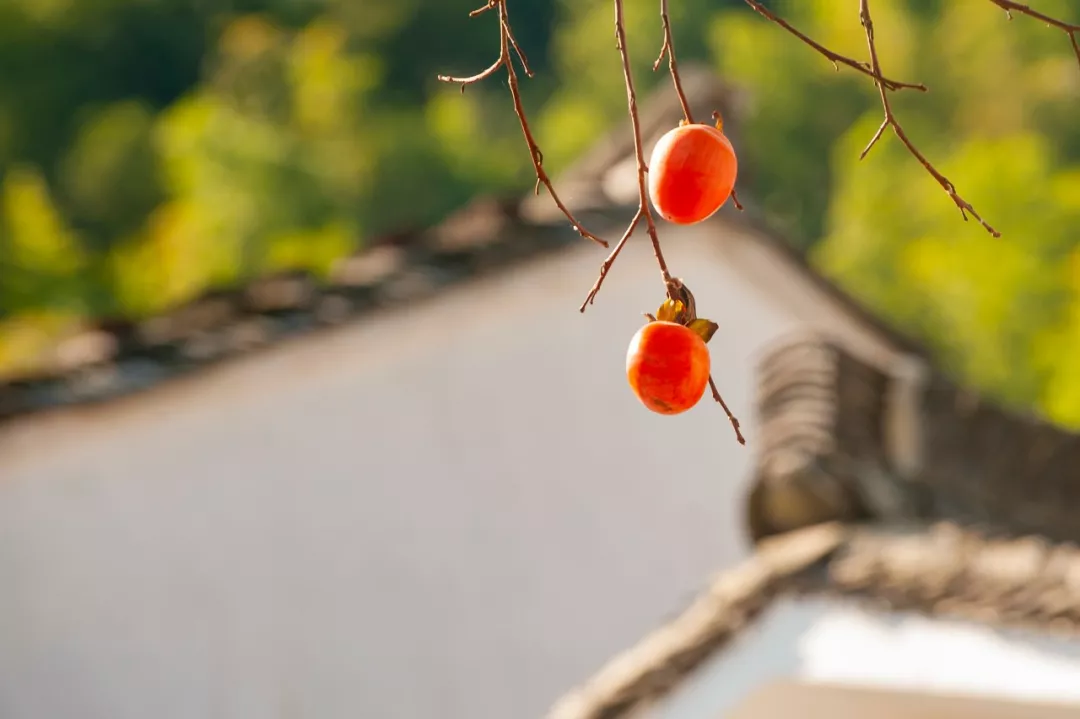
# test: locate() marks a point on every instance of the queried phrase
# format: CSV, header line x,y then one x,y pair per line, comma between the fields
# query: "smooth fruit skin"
x,y
692,172
667,365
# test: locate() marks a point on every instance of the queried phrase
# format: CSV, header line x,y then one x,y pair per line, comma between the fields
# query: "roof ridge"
x,y
112,357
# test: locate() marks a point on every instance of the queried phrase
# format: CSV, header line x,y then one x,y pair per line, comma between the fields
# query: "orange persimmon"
x,y
668,367
692,172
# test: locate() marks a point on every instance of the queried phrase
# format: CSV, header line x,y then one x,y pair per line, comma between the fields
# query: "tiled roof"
x,y
834,431
110,358
905,493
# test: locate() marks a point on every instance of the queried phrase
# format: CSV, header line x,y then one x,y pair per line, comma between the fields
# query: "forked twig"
x,y
668,48
890,121
507,44
885,85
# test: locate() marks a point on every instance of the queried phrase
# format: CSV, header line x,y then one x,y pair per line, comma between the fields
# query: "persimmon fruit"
x,y
692,172
668,367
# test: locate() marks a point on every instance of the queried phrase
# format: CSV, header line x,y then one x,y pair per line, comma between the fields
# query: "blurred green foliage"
x,y
152,149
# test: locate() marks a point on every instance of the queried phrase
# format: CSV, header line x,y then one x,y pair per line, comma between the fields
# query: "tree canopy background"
x,y
152,149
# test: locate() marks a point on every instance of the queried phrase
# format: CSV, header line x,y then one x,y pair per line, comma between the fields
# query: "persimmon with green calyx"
x,y
692,172
668,363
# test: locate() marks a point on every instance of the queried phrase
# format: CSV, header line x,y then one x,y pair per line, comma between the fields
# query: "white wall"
x,y
834,643
460,511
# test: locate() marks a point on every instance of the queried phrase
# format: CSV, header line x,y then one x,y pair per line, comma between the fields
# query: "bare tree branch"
x,y
508,44
890,121
1070,29
834,57
643,192
675,289
668,48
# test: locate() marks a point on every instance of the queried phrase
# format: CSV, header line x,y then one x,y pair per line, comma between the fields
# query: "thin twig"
x,y
514,44
735,201
481,10
731,417
507,44
482,75
609,261
890,121
631,100
1070,29
668,48
834,57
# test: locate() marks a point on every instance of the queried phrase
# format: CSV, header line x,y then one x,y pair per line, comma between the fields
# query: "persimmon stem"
x,y
508,46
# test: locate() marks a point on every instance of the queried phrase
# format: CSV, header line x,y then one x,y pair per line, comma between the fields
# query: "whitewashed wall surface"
x,y
459,511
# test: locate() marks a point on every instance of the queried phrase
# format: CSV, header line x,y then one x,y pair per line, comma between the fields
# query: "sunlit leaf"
x,y
704,328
